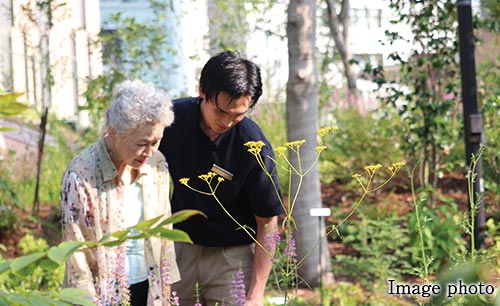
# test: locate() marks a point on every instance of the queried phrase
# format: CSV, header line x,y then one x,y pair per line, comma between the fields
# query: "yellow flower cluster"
x,y
207,177
184,181
320,149
325,130
371,169
356,176
295,145
280,151
254,147
396,167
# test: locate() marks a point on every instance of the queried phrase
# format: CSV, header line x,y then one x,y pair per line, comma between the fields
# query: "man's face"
x,y
221,113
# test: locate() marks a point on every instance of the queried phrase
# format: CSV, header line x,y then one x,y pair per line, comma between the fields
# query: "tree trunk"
x,y
335,23
302,123
228,29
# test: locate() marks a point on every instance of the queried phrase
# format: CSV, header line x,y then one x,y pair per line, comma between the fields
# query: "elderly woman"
x,y
114,184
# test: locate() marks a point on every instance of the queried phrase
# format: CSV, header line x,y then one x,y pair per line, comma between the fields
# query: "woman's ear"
x,y
111,132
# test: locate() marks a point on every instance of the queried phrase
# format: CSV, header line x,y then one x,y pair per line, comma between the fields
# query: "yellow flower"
x,y
280,150
184,181
295,144
207,177
325,130
396,167
320,149
220,179
254,147
371,169
357,177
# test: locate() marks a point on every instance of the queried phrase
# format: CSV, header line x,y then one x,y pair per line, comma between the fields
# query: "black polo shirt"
x,y
189,153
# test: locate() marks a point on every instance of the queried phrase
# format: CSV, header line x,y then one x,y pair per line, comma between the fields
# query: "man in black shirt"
x,y
208,134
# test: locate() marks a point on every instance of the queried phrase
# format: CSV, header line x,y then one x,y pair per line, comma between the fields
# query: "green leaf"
x,y
121,234
36,298
7,98
174,235
9,106
3,302
5,265
48,265
61,252
104,238
24,261
182,215
141,226
76,296
112,243
91,244
140,236
17,299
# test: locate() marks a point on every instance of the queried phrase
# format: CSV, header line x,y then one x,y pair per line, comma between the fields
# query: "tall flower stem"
x,y
473,202
419,226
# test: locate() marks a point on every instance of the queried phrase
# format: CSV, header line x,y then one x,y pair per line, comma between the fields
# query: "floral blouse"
x,y
92,206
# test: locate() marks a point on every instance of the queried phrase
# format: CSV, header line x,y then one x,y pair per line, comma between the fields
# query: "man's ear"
x,y
201,93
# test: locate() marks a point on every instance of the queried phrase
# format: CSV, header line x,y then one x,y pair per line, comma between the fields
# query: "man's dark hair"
x,y
236,76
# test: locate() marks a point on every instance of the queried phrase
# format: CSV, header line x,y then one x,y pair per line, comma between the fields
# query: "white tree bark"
x,y
302,123
339,29
227,25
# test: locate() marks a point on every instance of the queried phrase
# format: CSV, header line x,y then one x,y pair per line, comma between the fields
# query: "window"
x,y
366,18
111,48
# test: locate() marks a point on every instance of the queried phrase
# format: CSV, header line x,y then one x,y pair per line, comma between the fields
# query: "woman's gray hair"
x,y
137,103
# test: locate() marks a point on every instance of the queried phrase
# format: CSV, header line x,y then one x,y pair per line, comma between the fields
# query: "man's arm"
x,y
262,262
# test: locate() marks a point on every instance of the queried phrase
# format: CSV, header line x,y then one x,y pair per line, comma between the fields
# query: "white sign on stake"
x,y
320,212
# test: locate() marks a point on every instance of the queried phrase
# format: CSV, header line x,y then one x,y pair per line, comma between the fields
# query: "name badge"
x,y
222,172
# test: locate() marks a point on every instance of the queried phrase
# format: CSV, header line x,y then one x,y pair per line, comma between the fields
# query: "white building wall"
x,y
72,59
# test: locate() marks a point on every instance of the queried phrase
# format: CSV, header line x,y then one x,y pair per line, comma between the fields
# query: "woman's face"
x,y
135,147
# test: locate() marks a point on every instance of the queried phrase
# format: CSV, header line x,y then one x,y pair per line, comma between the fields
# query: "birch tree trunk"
x,y
228,29
302,123
339,29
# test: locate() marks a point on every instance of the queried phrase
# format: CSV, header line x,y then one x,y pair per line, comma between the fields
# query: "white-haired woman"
x,y
113,184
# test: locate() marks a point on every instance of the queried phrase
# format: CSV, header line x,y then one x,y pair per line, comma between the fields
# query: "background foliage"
x,y
419,119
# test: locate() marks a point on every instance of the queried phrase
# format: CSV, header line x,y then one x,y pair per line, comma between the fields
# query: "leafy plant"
x,y
286,278
53,258
426,92
364,138
10,107
440,235
347,294
35,276
8,220
383,251
135,49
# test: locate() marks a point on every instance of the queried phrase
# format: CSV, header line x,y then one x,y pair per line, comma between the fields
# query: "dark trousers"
x,y
139,293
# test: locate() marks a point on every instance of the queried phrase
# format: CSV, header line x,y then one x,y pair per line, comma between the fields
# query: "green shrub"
x,y
383,248
17,184
362,139
35,277
441,228
347,294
